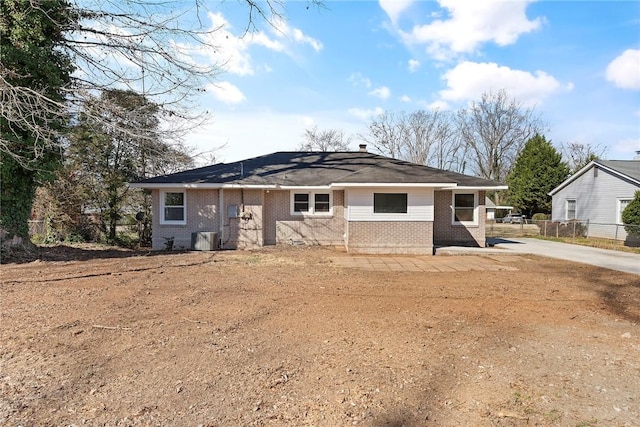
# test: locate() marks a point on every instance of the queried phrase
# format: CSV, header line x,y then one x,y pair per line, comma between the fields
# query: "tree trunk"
x,y
16,201
113,223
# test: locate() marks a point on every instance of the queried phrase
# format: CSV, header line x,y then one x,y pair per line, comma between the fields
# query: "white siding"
x,y
360,204
596,198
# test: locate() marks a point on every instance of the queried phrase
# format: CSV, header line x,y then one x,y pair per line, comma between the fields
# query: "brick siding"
x,y
390,237
245,231
446,233
271,223
282,227
202,215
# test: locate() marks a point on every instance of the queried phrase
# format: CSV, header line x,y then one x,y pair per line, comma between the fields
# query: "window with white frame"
x,y
173,207
300,202
622,204
465,208
571,209
321,203
390,203
311,203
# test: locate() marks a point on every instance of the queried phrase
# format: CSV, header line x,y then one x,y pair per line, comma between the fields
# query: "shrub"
x,y
631,216
540,217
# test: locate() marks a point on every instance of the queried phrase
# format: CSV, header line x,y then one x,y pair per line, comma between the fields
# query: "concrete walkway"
x,y
426,263
614,260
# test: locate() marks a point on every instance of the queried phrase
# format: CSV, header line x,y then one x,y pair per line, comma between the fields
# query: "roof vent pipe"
x,y
363,148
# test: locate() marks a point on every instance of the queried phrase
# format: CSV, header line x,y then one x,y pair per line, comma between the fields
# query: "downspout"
x,y
221,213
346,214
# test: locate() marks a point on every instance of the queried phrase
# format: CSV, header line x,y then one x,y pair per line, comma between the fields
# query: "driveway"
x,y
614,260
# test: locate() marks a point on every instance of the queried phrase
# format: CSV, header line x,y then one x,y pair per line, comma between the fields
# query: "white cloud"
x,y
381,92
439,105
262,39
357,79
413,65
226,92
233,51
394,8
365,115
469,80
624,71
472,23
283,30
629,145
405,98
299,36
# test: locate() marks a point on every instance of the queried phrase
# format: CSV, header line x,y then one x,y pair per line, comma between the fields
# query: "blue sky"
x,y
577,62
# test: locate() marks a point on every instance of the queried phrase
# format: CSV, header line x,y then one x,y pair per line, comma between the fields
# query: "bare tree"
x,y
59,55
495,129
384,135
161,49
416,130
426,137
577,154
324,140
449,152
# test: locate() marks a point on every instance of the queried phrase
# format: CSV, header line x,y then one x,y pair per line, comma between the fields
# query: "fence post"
x,y
545,228
615,240
574,229
587,236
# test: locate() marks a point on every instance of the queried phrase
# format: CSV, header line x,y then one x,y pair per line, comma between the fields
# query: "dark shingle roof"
x,y
630,168
318,169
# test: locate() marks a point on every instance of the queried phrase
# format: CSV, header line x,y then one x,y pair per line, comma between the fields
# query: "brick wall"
x,y
202,215
282,227
445,233
391,237
271,223
245,231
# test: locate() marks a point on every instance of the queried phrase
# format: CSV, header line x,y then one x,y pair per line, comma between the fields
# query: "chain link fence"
x,y
586,229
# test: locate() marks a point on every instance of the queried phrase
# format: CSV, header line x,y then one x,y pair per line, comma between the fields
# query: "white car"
x,y
513,218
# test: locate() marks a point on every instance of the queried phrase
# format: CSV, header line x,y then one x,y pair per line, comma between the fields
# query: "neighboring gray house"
x,y
598,193
358,200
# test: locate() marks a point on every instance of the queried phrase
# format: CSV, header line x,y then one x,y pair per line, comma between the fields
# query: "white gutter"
x,y
338,185
443,186
486,188
573,177
391,184
585,169
203,186
304,187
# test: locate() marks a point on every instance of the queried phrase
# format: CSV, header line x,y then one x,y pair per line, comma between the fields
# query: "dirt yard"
x,y
310,336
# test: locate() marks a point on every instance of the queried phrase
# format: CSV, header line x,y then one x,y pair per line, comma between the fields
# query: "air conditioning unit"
x,y
204,241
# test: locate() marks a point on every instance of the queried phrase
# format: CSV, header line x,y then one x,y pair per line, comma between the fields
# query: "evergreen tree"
x,y
112,143
631,216
538,170
107,157
31,61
